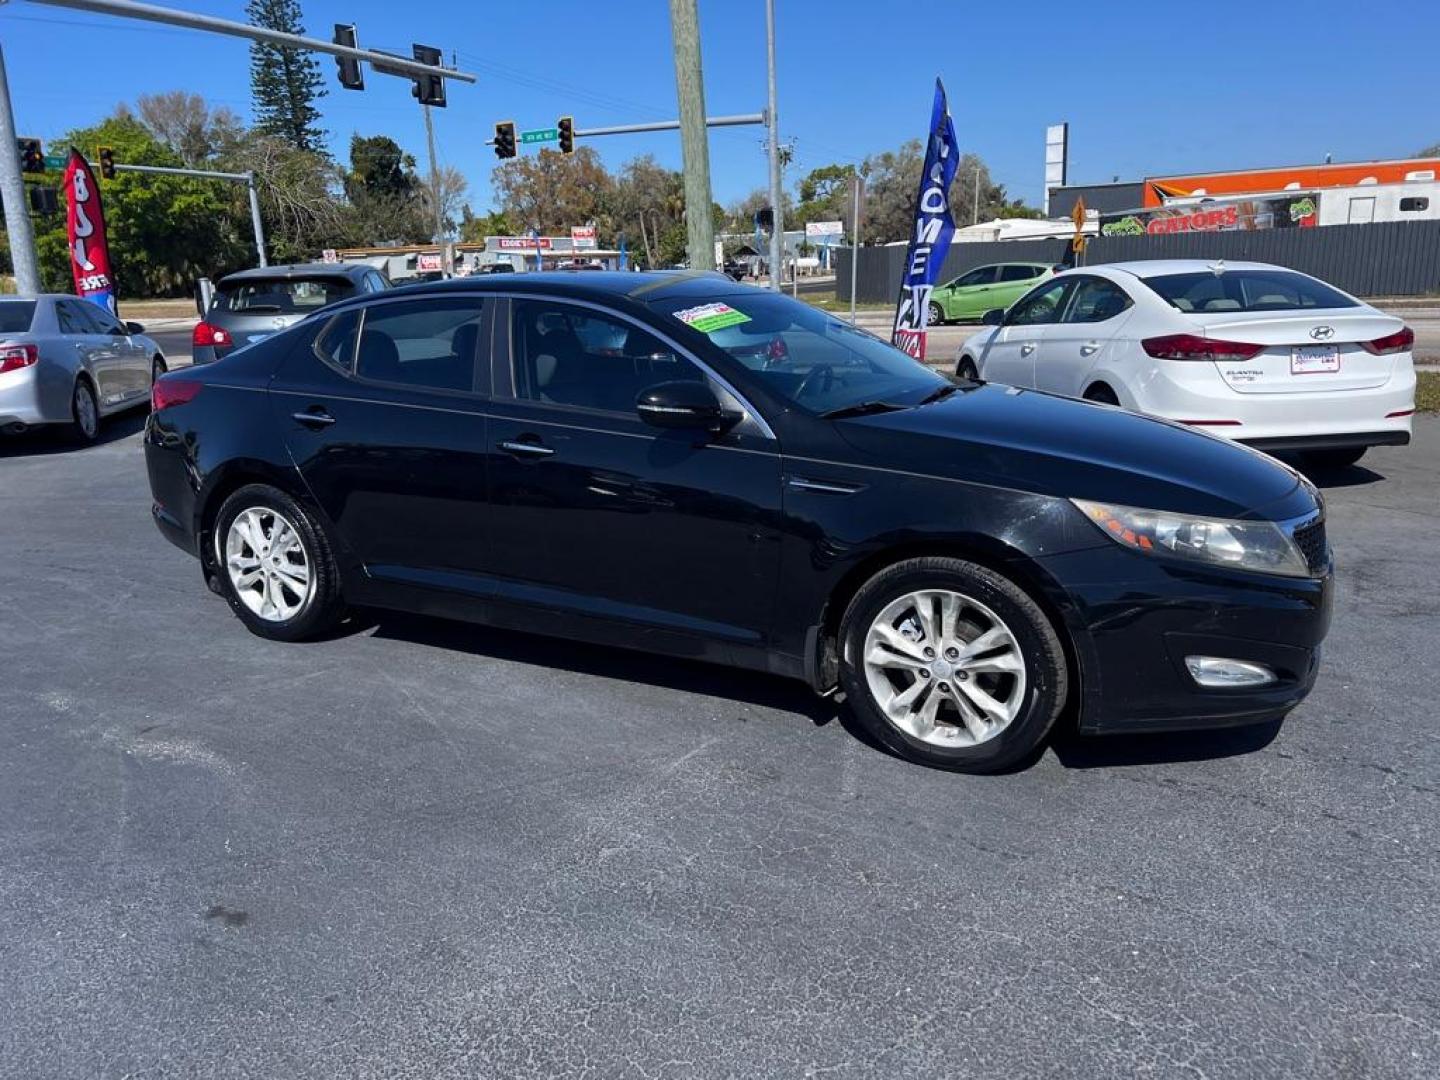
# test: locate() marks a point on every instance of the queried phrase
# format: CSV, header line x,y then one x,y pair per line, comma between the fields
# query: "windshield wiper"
x,y
862,408
938,393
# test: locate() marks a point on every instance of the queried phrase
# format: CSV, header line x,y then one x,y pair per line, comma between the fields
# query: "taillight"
x,y
1400,341
208,334
1190,347
170,391
14,357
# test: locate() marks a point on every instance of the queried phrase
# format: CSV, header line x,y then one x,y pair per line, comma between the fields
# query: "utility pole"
x,y
694,144
435,190
855,240
12,190
976,217
777,230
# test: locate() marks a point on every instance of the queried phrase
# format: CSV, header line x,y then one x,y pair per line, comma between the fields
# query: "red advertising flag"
x,y
85,229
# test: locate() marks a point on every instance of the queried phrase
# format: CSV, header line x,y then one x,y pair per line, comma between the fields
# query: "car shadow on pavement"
x,y
1348,476
53,439
691,676
1076,751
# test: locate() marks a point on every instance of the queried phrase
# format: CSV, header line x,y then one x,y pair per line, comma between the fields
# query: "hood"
x,y
1031,441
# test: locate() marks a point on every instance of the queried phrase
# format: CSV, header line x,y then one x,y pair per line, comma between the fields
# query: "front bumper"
x,y
1134,618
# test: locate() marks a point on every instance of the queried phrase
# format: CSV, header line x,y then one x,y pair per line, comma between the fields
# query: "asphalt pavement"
x,y
424,849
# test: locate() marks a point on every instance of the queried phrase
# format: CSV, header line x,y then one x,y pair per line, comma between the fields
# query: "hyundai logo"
x,y
1323,333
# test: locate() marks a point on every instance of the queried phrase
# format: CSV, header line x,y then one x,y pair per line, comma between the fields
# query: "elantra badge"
x,y
1323,333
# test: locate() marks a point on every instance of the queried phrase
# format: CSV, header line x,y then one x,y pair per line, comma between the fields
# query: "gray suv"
x,y
253,304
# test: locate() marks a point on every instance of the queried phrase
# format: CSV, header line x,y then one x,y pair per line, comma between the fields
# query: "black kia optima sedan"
x,y
676,463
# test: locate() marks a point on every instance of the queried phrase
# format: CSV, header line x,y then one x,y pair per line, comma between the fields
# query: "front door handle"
x,y
1027,348
531,448
316,418
1089,347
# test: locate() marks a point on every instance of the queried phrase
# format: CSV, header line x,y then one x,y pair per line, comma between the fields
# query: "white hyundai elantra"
x,y
1258,353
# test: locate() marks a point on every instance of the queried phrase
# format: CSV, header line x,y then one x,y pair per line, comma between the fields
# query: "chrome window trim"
x,y
751,412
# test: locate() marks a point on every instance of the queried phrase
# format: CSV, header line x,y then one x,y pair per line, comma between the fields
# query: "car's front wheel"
x,y
966,369
275,565
950,664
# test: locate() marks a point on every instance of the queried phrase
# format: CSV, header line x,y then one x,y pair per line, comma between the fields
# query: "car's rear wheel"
x,y
936,316
1339,458
966,369
950,664
1102,394
157,368
84,413
276,567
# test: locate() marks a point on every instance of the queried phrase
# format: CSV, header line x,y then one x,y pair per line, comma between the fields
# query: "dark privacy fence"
x,y
1398,258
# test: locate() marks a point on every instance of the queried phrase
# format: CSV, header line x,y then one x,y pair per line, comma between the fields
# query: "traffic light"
x,y
107,163
352,76
44,200
32,157
505,139
428,89
566,127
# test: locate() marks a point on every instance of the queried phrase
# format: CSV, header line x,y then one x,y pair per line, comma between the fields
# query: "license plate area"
x,y
1314,359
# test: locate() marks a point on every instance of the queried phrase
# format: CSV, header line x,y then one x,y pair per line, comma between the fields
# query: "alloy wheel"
x,y
87,415
944,668
268,565
937,314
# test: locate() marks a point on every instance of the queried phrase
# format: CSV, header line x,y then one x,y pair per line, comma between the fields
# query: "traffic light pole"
x,y
246,178
12,190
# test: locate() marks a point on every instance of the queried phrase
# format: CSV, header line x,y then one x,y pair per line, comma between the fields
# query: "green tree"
x,y
647,202
298,192
552,191
1433,150
285,83
474,229
386,198
163,231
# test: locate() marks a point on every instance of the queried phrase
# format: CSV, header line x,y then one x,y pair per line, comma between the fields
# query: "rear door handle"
x,y
316,418
530,448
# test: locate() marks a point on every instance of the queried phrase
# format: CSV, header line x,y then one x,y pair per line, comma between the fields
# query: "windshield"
x,y
16,315
1246,290
806,356
285,296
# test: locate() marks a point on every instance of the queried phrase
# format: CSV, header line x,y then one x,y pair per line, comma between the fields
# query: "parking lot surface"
x,y
425,849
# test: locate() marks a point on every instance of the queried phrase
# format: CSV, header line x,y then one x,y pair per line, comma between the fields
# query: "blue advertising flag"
x,y
933,228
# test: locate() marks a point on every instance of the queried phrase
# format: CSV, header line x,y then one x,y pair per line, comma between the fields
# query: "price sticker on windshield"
x,y
711,317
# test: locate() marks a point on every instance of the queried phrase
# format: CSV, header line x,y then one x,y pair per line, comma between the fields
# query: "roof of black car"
x,y
289,270
644,287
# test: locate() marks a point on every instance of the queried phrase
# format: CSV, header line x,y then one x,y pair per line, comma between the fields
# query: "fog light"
x,y
1221,672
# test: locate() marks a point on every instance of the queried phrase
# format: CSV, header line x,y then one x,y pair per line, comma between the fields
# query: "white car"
x,y
1258,353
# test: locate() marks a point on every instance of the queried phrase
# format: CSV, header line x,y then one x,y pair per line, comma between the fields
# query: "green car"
x,y
976,291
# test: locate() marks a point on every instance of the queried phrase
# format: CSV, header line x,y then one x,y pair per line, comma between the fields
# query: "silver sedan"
x,y
67,361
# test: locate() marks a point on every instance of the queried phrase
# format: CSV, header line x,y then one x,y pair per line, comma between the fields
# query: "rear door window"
x,y
335,344
431,344
1095,300
1223,290
74,319
1020,273
16,316
281,296
981,275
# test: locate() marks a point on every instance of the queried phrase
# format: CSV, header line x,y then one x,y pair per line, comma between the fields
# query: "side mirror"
x,y
994,317
204,296
134,328
684,404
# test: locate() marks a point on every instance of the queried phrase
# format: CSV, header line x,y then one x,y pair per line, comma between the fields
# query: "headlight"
x,y
1246,545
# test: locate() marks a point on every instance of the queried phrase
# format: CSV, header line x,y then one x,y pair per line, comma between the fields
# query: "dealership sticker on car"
x,y
711,317
1314,359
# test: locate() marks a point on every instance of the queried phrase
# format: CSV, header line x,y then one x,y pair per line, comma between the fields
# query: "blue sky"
x,y
1212,87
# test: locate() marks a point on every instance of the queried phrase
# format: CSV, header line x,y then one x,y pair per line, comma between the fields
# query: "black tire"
x,y
1329,460
966,369
936,316
157,368
1047,676
84,427
323,607
1102,395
